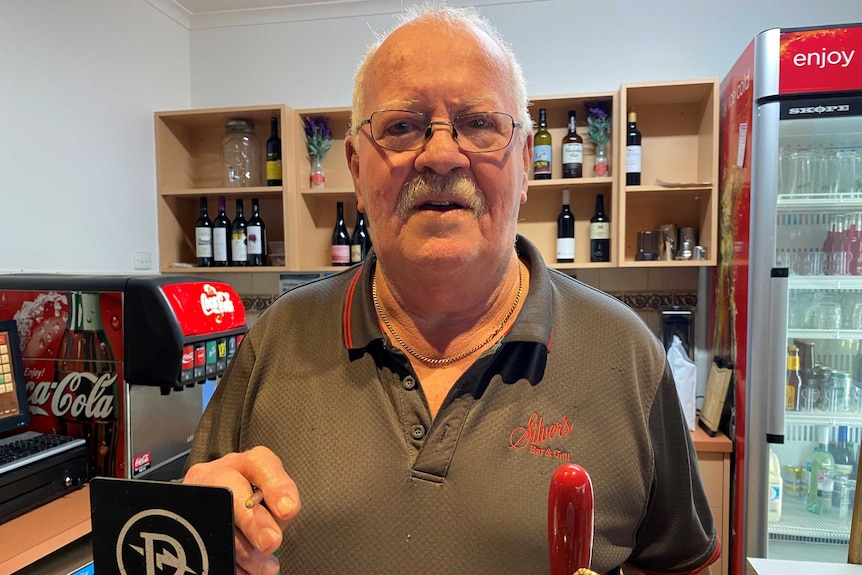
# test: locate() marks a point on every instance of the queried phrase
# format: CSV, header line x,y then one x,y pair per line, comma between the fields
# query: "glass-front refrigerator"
x,y
787,303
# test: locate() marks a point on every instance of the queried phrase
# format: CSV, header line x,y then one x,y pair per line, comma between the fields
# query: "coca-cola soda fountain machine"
x,y
126,362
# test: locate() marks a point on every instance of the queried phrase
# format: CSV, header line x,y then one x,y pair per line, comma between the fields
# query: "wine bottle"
x,y
820,479
600,233
273,156
221,234
256,232
239,238
204,237
566,232
573,150
633,152
542,149
340,239
360,241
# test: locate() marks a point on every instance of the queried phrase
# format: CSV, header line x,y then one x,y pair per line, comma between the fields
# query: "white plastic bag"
x,y
685,374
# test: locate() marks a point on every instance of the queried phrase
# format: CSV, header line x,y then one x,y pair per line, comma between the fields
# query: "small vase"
x,y
600,168
317,177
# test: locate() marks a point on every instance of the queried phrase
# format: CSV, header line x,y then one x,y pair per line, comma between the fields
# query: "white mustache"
x,y
427,186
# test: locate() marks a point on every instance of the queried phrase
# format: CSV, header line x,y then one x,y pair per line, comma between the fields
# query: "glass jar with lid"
x,y
241,155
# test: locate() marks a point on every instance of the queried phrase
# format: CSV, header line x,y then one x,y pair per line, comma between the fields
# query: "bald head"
x,y
427,31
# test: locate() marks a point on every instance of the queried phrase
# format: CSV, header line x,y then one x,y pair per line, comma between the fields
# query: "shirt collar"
x,y
533,324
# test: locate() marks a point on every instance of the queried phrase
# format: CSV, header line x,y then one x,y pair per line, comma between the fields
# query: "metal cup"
x,y
667,241
686,244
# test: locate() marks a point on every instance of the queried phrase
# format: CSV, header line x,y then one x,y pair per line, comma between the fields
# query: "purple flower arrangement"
x,y
318,136
598,121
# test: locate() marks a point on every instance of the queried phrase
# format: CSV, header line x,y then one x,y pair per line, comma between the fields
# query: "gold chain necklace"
x,y
442,360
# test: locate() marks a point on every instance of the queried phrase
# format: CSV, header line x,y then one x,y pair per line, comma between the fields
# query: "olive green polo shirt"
x,y
387,490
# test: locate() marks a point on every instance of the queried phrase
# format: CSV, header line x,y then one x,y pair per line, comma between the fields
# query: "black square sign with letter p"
x,y
155,528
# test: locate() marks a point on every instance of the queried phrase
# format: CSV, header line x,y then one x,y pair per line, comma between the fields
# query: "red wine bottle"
x,y
238,238
256,232
360,241
204,237
340,239
221,236
600,233
633,151
566,232
273,156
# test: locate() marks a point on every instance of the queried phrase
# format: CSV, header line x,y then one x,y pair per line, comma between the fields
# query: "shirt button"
x,y
418,431
409,383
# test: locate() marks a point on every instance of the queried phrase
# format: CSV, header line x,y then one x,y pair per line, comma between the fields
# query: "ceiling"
x,y
195,14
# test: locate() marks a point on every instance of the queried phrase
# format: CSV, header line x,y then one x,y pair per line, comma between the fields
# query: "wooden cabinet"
x,y
538,217
678,122
188,167
310,232
713,457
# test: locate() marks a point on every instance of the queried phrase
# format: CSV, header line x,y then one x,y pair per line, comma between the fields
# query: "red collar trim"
x,y
348,307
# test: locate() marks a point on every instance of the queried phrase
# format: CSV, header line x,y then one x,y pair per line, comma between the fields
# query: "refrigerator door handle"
x,y
776,401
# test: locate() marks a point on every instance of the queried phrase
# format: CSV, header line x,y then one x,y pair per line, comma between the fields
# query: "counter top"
x,y
44,530
704,443
757,566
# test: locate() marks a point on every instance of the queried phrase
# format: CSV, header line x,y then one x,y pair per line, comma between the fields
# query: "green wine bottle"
x,y
542,149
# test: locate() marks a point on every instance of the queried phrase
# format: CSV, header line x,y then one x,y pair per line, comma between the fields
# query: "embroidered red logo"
x,y
537,434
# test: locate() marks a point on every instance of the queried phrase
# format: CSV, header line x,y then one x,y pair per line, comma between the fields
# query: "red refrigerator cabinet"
x,y
788,281
126,362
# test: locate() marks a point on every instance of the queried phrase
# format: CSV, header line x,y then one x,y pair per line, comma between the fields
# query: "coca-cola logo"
x,y
141,462
215,302
64,399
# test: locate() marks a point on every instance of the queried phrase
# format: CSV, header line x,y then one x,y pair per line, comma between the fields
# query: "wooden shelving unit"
x,y
679,122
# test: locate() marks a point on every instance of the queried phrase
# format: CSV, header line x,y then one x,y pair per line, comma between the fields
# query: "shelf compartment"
x,y
177,215
188,143
798,524
679,126
681,207
537,220
558,125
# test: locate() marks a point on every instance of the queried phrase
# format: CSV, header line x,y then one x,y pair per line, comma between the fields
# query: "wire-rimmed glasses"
x,y
405,131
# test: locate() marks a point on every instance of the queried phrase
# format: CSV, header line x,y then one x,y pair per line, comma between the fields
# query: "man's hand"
x,y
258,528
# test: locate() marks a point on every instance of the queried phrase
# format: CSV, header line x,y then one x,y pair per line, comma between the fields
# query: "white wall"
x,y
79,81
565,46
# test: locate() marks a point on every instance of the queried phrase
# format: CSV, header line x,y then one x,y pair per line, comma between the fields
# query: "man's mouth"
x,y
439,206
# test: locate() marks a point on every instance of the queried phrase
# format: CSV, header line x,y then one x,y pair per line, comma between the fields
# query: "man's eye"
x,y
401,128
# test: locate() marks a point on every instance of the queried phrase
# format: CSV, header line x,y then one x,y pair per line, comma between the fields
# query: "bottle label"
x,y
600,231
255,241
273,170
340,255
238,247
565,248
204,242
355,253
317,179
573,154
542,160
633,159
220,244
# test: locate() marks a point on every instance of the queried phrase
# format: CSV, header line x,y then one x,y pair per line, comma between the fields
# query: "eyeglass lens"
x,y
402,130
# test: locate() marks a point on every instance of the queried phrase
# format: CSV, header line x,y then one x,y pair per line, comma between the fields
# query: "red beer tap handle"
x,y
570,519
